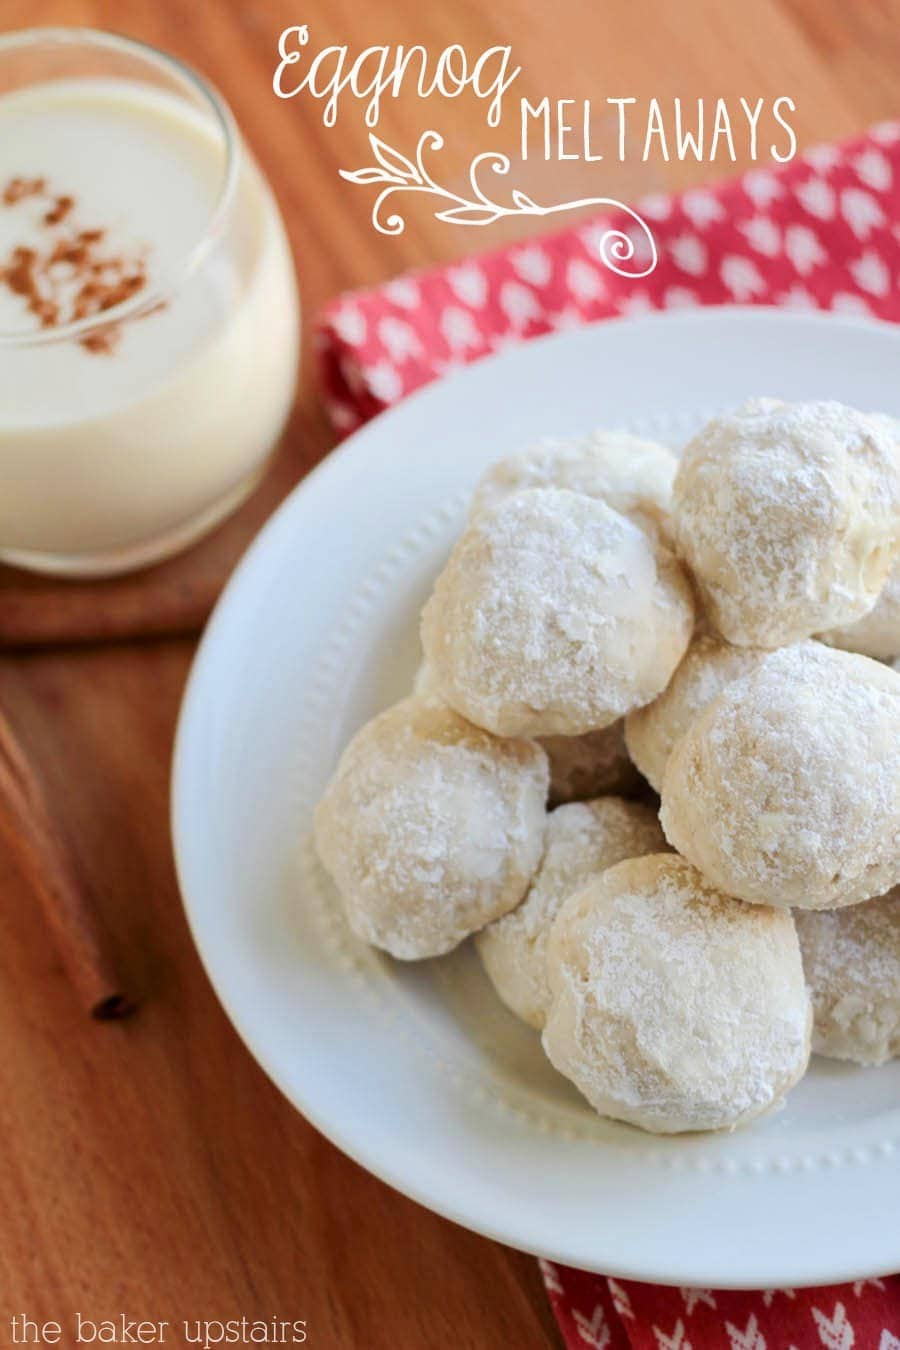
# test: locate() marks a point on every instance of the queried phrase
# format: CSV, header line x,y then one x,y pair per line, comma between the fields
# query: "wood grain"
x,y
150,1168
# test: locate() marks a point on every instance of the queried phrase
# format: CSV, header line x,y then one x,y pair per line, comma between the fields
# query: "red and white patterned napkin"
x,y
820,233
595,1313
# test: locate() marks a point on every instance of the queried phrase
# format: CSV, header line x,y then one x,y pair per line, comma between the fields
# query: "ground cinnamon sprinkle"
x,y
74,276
59,210
17,189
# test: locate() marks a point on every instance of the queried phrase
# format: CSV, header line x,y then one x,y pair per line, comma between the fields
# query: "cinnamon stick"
x,y
37,842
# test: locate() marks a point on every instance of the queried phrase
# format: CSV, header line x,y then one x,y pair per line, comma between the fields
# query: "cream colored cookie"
x,y
673,1006
555,615
431,828
786,790
877,633
789,517
631,475
582,840
709,665
851,958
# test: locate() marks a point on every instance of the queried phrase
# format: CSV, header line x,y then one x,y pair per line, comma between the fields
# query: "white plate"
x,y
417,1071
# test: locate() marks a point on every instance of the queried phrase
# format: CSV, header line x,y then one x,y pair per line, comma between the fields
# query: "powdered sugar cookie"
x,y
851,958
555,615
786,790
431,827
789,517
582,840
877,633
673,1006
631,475
709,665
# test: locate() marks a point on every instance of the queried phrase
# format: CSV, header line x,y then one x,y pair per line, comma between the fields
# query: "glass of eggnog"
x,y
148,306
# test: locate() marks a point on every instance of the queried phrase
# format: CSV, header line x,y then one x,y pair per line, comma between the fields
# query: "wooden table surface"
x,y
150,1168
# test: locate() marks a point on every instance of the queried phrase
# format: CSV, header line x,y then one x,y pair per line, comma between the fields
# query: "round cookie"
x,y
583,839
786,790
851,958
555,615
631,475
709,665
789,517
673,1006
431,828
876,634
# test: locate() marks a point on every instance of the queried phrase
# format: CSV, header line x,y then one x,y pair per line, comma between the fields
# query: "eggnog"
x,y
148,322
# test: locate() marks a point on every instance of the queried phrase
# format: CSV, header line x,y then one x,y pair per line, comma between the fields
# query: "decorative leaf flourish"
x,y
397,173
392,160
371,176
474,214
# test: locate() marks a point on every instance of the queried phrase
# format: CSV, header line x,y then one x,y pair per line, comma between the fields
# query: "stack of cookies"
x,y
652,761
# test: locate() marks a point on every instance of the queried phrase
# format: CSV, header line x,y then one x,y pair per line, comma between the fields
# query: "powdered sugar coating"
x,y
876,634
789,517
631,475
851,958
709,665
673,1006
582,840
555,615
431,827
786,790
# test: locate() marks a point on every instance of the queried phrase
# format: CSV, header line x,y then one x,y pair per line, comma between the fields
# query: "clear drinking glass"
x,y
149,320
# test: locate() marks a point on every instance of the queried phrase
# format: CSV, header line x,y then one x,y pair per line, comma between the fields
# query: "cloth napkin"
x,y
820,233
595,1313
